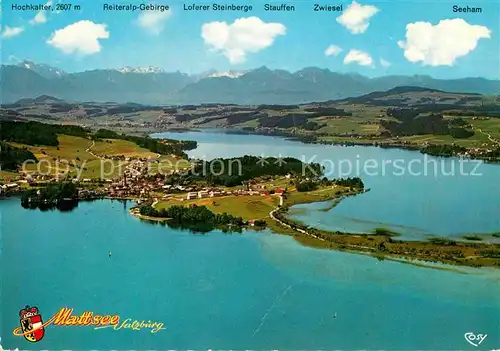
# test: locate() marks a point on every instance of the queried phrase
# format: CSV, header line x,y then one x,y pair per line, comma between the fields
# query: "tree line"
x,y
443,150
35,133
234,171
298,120
63,195
411,122
189,216
174,147
11,157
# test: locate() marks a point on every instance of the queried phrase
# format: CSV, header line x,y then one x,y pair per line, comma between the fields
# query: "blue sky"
x,y
444,44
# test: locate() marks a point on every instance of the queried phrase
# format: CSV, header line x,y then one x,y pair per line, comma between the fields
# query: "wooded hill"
x,y
42,134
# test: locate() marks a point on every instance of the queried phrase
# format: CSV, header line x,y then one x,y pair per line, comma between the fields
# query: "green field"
x,y
479,140
490,126
8,176
70,147
255,206
115,147
345,125
323,194
338,139
248,124
247,207
71,157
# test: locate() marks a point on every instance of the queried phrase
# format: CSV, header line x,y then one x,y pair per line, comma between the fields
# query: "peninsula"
x,y
253,208
231,194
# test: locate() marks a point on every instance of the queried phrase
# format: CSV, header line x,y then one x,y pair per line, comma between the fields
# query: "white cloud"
x,y
356,18
360,57
9,32
443,43
385,63
80,37
154,21
243,36
333,50
41,16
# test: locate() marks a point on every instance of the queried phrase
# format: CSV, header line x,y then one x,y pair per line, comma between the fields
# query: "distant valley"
x,y
439,122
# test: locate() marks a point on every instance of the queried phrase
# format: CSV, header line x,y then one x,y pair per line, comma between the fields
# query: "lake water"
x,y
257,291
413,194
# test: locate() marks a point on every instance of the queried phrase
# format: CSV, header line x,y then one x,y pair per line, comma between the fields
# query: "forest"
x,y
63,195
11,157
411,122
443,150
34,133
189,216
235,171
310,185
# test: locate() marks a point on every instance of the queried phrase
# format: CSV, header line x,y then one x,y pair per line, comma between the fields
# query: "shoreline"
x,y
385,246
375,143
313,140
135,213
470,237
381,244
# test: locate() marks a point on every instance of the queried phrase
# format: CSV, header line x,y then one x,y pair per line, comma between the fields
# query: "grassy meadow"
x,y
71,156
116,147
247,207
255,206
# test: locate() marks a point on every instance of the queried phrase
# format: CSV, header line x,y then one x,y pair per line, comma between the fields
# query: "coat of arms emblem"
x,y
31,324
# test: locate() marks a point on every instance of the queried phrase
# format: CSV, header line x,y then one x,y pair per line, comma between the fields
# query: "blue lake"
x,y
256,291
413,194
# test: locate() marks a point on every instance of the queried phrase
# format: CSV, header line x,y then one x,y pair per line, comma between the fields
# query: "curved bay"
x,y
427,199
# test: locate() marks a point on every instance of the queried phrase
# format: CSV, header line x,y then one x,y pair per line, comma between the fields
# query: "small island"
x,y
63,196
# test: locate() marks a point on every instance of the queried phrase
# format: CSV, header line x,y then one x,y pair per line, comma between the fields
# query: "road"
x,y
305,232
90,152
490,138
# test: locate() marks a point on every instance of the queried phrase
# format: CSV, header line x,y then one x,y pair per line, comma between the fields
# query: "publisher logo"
x,y
475,339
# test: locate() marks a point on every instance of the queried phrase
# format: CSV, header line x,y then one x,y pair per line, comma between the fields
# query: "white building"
x,y
191,196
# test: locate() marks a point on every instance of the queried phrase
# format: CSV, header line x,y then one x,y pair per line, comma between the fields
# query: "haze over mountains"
x,y
259,86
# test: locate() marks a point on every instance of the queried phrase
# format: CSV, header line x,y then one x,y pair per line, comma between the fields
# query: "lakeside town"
x,y
139,184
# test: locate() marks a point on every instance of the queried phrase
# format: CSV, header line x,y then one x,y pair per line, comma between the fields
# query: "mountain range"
x,y
150,69
44,70
259,86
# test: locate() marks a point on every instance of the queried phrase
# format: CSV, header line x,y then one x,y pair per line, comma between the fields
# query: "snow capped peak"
x,y
42,69
150,69
230,74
